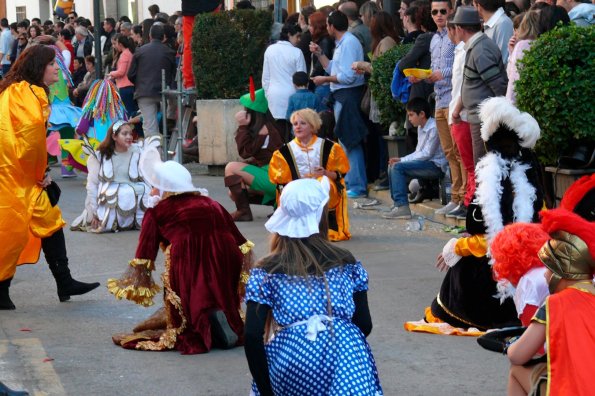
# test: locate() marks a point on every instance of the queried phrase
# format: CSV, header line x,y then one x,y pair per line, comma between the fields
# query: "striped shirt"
x,y
442,51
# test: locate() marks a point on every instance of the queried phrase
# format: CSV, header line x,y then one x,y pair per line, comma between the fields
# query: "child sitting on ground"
x,y
302,98
565,323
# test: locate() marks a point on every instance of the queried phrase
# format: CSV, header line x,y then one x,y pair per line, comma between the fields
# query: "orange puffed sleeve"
x,y
475,245
337,160
279,172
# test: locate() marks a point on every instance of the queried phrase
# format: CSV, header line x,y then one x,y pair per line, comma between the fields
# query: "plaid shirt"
x,y
443,54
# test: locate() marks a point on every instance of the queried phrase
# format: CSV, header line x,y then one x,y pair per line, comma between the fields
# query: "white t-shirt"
x,y
531,290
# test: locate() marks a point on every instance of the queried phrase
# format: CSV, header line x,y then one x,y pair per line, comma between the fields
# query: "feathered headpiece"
x,y
498,111
580,197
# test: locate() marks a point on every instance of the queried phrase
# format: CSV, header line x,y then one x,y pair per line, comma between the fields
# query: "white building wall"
x,y
135,10
167,6
32,9
84,8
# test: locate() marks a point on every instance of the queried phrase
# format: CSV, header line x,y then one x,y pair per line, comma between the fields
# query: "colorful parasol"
x,y
101,108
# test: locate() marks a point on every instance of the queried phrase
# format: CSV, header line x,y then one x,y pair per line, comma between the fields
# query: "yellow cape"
x,y
25,211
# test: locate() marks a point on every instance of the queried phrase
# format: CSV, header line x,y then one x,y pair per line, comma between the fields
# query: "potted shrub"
x,y
556,85
391,110
227,48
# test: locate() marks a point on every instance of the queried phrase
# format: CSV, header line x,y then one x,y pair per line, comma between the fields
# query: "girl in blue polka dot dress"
x,y
308,300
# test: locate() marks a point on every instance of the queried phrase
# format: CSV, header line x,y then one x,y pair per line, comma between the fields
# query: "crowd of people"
x,y
310,139
131,69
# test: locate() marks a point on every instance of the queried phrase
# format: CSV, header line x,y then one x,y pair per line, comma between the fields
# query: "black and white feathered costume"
x,y
508,190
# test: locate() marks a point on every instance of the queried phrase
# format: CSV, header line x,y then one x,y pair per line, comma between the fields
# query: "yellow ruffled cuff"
x,y
135,262
139,295
246,247
136,284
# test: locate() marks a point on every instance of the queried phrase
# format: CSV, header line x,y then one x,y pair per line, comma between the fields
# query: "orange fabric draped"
x,y
24,111
571,342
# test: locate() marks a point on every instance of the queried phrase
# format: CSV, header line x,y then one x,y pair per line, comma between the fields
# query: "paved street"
x,y
77,335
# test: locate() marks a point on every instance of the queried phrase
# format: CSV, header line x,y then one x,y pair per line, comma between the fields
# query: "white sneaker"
x,y
445,209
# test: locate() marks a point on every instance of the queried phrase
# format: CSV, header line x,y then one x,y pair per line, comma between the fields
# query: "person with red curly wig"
x,y
516,263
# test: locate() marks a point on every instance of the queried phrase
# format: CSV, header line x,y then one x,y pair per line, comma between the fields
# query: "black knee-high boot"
x,y
5,301
6,391
54,248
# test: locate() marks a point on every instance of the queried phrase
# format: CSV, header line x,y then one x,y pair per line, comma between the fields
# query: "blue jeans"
x,y
5,69
401,173
356,179
127,95
323,92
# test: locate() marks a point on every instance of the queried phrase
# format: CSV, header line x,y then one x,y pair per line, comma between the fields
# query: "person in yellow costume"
x,y
28,221
308,156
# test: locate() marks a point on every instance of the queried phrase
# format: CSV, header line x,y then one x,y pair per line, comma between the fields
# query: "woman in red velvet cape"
x,y
204,257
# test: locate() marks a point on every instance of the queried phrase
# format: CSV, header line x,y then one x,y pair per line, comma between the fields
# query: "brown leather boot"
x,y
240,197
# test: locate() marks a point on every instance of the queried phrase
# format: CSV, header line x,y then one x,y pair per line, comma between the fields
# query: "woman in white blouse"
x,y
281,61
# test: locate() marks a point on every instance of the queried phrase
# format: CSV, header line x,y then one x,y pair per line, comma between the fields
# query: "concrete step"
x,y
425,209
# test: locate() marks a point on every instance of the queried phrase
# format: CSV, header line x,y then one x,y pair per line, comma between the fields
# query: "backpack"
x,y
400,85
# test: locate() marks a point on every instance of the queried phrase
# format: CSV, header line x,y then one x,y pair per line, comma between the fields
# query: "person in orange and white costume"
x,y
308,156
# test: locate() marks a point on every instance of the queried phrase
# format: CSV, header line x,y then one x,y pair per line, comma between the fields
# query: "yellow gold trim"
x,y
168,338
584,286
246,247
140,295
142,262
535,319
453,315
548,349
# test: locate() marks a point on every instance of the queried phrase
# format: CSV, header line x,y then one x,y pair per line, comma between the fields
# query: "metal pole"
x,y
178,157
165,141
97,36
278,11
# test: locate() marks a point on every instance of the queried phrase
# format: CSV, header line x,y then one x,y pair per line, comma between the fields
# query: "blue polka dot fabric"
x,y
339,361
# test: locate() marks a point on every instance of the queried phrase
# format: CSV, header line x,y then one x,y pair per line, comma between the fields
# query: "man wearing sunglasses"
x,y
442,54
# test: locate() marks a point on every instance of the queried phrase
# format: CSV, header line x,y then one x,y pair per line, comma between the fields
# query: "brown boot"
x,y
240,197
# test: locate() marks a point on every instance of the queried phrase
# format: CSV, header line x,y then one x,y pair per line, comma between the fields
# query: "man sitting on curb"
x,y
426,162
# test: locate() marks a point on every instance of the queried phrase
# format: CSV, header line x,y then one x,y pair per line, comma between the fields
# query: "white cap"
x,y
168,176
300,208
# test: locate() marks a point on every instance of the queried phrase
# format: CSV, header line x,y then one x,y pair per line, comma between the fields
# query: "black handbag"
x,y
53,192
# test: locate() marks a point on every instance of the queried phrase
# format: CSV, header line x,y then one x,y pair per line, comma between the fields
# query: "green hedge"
x,y
227,48
380,81
556,86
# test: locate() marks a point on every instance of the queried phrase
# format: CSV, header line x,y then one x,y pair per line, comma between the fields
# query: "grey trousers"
x,y
149,107
479,147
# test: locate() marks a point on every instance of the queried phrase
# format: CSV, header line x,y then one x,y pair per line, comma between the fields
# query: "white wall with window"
x,y
17,10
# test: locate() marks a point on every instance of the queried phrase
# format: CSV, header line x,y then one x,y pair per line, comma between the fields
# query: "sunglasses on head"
x,y
442,11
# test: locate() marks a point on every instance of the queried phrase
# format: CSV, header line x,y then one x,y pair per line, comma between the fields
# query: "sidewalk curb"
x,y
425,209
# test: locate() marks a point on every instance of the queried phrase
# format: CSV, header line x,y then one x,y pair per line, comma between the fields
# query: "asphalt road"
x,y
52,348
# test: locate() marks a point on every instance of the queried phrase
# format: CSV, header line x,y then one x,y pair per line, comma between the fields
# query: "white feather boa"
x,y
489,173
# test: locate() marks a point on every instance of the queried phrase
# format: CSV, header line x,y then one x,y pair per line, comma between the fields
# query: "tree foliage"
x,y
227,48
380,81
556,86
